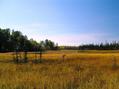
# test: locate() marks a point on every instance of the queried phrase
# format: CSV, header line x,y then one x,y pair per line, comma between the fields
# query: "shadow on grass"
x,y
12,61
6,61
42,61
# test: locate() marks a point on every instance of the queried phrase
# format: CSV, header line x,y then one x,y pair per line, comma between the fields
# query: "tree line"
x,y
11,40
102,46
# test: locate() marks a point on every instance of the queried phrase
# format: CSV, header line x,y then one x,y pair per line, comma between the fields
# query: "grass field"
x,y
78,70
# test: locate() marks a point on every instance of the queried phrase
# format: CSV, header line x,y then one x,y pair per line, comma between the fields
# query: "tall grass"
x,y
77,71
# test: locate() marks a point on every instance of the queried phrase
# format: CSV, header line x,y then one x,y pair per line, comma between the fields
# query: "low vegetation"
x,y
62,70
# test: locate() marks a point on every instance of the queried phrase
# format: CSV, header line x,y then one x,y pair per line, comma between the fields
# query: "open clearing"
x,y
78,70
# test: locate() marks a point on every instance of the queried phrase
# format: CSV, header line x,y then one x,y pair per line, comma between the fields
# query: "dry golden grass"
x,y
78,70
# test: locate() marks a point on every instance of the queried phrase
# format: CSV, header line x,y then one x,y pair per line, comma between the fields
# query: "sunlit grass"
x,y
79,70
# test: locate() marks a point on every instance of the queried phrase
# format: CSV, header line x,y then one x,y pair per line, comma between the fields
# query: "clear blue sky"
x,y
67,22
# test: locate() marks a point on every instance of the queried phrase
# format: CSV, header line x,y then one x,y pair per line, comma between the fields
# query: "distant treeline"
x,y
102,46
16,41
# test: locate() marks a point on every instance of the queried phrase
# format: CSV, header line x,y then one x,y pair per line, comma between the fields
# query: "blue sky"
x,y
67,22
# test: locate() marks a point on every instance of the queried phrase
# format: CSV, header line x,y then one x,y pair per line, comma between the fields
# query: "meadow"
x,y
77,70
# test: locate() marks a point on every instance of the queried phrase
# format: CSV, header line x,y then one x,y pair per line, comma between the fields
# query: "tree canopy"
x,y
15,40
